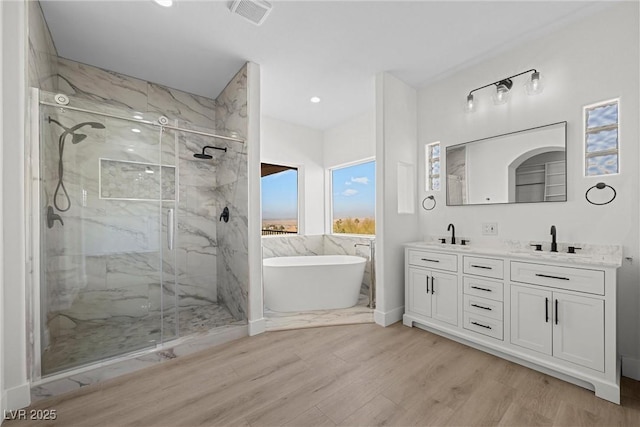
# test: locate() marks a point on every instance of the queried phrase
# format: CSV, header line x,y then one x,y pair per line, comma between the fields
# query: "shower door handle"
x,y
170,227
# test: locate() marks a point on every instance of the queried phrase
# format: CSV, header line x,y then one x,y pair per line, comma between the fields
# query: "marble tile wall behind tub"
x,y
334,244
43,57
275,246
233,255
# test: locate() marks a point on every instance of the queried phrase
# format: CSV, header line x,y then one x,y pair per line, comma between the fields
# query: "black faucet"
x,y
453,233
554,245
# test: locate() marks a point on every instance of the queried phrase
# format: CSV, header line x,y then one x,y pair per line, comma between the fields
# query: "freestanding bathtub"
x,y
301,283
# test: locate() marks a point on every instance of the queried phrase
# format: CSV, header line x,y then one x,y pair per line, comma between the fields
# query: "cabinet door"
x,y
419,298
578,335
444,297
531,318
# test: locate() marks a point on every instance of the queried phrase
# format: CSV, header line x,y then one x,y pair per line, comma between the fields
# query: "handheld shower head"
x,y
78,137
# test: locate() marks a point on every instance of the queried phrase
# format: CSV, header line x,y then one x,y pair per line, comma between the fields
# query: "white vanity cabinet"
x,y
432,293
550,312
556,320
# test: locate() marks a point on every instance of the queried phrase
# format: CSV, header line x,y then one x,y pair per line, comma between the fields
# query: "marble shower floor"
x,y
359,313
93,341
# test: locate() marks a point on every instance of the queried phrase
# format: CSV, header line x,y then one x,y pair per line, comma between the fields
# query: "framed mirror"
x,y
520,167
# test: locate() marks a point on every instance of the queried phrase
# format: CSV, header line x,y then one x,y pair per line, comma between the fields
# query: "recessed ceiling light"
x,y
315,99
129,149
164,3
138,116
136,130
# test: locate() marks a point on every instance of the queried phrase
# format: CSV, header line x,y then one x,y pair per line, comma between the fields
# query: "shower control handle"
x,y
170,227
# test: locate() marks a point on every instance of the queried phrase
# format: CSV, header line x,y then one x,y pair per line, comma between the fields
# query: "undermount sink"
x,y
445,246
553,255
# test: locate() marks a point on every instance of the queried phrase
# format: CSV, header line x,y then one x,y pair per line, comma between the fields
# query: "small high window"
x,y
279,185
432,174
353,201
601,138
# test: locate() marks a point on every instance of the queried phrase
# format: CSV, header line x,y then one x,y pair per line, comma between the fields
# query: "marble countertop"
x,y
589,256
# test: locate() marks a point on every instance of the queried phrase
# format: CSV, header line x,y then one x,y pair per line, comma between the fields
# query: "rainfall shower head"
x,y
206,156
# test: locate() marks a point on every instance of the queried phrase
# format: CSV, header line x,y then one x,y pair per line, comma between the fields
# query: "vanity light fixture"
x,y
533,86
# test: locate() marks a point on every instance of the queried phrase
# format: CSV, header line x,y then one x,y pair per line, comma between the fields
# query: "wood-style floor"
x,y
340,375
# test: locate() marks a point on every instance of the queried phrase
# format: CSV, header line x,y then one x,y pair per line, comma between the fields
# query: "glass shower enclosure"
x,y
128,223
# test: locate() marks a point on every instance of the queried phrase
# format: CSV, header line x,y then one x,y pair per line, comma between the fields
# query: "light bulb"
x,y
470,106
164,3
502,94
534,85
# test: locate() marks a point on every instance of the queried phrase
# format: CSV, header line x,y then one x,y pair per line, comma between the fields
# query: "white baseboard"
x,y
388,318
17,397
631,368
257,326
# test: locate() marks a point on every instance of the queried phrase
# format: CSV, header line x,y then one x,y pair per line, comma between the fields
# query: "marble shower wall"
x,y
328,244
233,254
42,57
105,261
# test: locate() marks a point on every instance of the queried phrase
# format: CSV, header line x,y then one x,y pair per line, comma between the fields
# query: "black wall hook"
x,y
224,216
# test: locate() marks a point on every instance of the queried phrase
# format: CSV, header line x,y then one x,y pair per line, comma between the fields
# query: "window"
x,y
432,173
354,199
601,141
279,186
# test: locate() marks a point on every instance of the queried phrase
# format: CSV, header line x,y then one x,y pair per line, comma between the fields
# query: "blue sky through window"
x,y
354,191
280,195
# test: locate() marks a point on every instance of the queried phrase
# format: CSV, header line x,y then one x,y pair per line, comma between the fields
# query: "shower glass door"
x,y
106,193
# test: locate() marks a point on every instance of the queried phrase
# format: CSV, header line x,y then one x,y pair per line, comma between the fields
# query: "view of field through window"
x,y
354,199
279,199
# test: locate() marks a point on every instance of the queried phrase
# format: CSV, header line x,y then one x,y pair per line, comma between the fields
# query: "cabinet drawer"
x,y
483,288
448,262
483,325
573,279
486,267
483,307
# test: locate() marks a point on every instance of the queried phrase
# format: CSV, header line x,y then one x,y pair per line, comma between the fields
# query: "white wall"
x,y
350,141
294,145
256,315
2,64
396,141
581,64
13,187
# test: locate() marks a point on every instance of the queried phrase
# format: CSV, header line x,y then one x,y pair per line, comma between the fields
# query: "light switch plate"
x,y
490,229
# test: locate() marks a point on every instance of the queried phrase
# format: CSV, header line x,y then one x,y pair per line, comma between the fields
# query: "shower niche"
x,y
132,259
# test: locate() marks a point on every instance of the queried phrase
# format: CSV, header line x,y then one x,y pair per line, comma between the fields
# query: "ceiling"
x,y
329,49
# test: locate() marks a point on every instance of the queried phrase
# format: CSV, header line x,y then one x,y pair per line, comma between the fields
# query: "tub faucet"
x,y
453,233
554,245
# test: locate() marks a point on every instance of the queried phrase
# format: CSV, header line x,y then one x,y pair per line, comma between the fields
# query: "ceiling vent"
x,y
255,11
